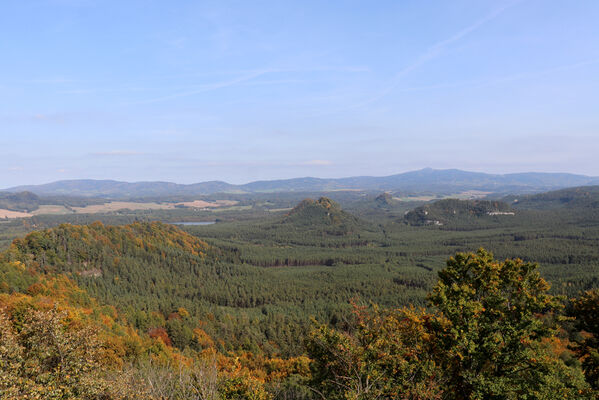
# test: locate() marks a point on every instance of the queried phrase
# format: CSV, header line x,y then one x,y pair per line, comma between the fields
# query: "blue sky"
x,y
188,91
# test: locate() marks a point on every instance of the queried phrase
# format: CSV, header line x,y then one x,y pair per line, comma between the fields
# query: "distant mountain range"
x,y
424,180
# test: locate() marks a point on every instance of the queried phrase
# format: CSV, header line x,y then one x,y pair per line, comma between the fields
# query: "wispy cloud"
x,y
533,74
236,72
48,118
207,88
435,50
72,3
170,133
106,90
504,79
117,153
431,53
49,81
247,77
317,163
153,84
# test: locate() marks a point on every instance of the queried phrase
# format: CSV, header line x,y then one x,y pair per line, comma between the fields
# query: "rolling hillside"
x,y
324,214
443,211
577,197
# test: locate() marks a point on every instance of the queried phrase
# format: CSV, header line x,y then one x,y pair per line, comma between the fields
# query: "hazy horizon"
x,y
287,178
196,91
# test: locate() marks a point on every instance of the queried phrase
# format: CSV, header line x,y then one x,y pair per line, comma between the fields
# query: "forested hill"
x,y
578,197
58,341
21,201
97,249
243,295
151,270
130,266
28,201
384,200
142,268
444,211
324,214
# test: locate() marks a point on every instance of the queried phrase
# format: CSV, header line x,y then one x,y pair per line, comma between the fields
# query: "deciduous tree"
x,y
499,316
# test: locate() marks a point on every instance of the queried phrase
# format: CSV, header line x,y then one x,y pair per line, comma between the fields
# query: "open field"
x,y
417,198
113,206
122,205
13,214
207,204
130,205
470,194
234,208
465,195
50,209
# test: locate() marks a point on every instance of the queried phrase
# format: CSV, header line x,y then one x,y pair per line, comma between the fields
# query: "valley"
x,y
299,200
250,275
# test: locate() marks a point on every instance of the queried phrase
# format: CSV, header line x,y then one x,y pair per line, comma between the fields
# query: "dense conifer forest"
x,y
364,301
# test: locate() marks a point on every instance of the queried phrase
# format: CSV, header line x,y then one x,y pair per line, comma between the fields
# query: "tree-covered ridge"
x,y
384,200
148,270
577,197
151,270
22,201
57,342
322,214
28,201
76,243
97,250
448,210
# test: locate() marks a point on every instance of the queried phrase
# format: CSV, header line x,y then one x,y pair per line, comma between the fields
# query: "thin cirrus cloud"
x,y
479,83
206,88
430,54
148,85
117,153
249,77
317,163
435,50
48,118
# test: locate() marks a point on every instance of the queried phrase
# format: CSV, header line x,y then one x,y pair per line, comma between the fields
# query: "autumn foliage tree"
x,y
487,338
46,356
390,355
499,315
586,312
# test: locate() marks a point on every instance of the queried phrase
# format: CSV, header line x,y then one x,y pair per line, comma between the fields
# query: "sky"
x,y
191,91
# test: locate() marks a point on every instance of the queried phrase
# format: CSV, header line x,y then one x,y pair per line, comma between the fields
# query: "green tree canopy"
x,y
500,314
586,312
390,355
489,338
